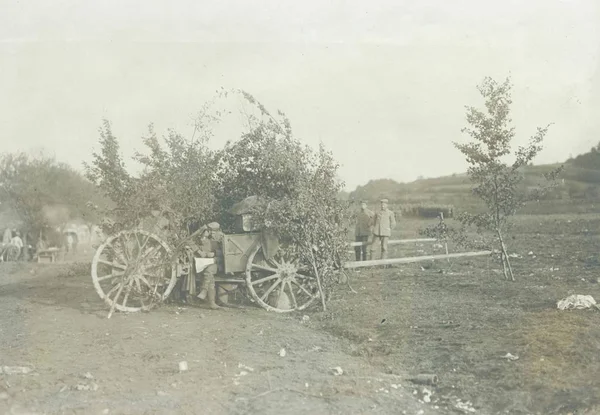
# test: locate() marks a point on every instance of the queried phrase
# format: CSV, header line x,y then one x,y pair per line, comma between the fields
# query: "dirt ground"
x,y
454,319
83,363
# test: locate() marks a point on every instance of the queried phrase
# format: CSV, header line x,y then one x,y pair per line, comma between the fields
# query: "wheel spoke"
x,y
119,255
154,266
269,278
121,286
112,290
112,264
138,285
151,276
152,256
302,288
280,293
146,254
125,245
262,268
106,277
127,293
274,262
145,281
271,288
142,246
294,302
307,277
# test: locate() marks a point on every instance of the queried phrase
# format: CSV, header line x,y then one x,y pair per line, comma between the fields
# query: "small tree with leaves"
x,y
176,183
498,182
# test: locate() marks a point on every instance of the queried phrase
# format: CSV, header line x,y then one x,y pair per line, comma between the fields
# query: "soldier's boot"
x,y
204,290
212,294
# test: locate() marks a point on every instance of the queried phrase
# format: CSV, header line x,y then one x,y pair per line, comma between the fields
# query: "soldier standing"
x,y
385,222
18,242
363,231
210,248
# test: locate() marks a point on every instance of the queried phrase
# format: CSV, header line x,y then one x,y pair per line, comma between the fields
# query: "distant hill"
x,y
580,181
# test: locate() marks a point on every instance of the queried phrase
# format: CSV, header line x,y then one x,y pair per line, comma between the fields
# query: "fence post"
x,y
445,238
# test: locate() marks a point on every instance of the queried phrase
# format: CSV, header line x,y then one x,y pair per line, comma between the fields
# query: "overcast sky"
x,y
383,84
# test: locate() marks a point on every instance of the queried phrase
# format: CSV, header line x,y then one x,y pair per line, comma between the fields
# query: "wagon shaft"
x,y
407,260
395,242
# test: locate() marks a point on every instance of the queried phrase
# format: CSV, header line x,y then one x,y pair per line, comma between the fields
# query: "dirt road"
x,y
52,322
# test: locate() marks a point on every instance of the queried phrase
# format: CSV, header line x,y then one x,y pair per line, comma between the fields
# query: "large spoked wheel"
x,y
133,270
281,284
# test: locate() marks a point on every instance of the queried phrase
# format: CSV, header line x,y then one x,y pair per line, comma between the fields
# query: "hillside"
x,y
579,182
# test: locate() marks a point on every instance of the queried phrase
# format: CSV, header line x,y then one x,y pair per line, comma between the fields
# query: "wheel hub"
x,y
287,271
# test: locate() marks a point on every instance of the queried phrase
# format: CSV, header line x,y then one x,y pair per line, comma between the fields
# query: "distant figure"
x,y
70,242
7,237
41,244
363,230
18,242
385,222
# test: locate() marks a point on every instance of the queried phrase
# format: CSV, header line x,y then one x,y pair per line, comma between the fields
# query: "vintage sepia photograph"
x,y
300,207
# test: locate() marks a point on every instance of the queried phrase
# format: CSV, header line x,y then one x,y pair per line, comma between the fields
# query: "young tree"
x,y
108,169
186,172
498,183
177,181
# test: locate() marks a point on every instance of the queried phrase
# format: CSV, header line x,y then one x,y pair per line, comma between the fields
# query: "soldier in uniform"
x,y
385,221
363,230
18,242
210,248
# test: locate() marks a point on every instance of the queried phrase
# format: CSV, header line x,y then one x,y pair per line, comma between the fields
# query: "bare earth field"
x,y
455,319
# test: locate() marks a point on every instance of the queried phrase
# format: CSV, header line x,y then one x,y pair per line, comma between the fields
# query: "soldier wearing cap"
x,y
210,248
384,223
363,230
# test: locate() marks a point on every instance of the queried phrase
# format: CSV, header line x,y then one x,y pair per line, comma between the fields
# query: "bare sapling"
x,y
499,181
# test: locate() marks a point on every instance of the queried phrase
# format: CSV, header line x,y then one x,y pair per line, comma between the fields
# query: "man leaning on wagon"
x,y
210,248
363,231
385,222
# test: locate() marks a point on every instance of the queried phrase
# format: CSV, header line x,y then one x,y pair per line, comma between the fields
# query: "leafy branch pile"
x,y
186,182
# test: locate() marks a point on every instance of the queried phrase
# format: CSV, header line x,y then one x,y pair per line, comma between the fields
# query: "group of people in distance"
x,y
373,229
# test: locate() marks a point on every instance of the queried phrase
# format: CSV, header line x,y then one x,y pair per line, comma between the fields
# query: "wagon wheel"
x,y
133,270
11,253
281,284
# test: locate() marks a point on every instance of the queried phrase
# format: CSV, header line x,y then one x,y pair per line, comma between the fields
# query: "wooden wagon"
x,y
135,270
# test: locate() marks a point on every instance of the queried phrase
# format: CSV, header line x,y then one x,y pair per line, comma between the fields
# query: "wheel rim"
x,y
133,271
280,278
